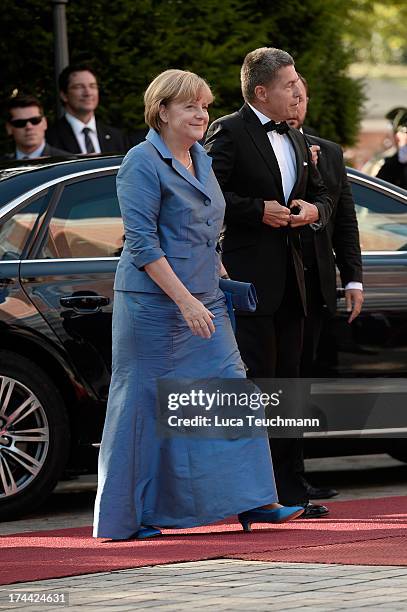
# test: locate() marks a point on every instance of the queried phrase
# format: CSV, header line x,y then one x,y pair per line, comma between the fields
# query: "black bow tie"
x,y
281,128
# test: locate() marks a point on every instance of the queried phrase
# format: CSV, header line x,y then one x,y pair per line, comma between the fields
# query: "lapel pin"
x,y
107,136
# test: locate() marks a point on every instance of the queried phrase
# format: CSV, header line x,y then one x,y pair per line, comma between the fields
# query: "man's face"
x,y
297,121
28,137
82,96
279,99
401,137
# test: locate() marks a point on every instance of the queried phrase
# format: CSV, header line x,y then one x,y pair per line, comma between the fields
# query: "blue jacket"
x,y
168,212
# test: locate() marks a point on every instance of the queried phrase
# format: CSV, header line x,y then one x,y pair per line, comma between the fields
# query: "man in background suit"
x,y
394,167
340,236
26,124
266,174
78,131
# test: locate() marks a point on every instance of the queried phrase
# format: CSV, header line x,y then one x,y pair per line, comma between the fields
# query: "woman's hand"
x,y
198,317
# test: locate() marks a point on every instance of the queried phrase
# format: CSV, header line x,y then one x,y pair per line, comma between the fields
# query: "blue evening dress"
x,y
177,482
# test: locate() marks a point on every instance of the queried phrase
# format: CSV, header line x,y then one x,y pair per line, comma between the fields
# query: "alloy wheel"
x,y
24,436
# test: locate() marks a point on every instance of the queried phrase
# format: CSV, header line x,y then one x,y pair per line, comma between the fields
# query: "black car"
x,y
60,238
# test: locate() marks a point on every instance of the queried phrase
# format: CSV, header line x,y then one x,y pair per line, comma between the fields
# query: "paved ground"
x,y
228,584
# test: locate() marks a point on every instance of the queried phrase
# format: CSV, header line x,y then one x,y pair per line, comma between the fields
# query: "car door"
x,y
375,344
18,227
69,273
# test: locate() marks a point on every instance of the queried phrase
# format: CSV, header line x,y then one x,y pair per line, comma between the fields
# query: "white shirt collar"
x,y
33,154
285,155
263,118
77,125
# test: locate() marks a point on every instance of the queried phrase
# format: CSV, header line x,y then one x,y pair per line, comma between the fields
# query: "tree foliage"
x,y
131,41
377,31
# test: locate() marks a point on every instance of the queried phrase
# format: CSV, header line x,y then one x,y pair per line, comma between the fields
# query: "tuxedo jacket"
x,y
394,172
341,235
248,172
111,140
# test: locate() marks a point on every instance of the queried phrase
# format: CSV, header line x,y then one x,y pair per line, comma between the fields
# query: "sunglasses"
x,y
21,123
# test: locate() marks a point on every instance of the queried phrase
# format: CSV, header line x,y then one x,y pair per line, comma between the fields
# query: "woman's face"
x,y
185,121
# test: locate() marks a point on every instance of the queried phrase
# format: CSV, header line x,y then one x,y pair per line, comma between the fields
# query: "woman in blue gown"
x,y
170,321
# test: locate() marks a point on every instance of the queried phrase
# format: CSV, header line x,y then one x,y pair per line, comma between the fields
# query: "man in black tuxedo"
x,y
265,171
394,168
339,237
78,131
26,124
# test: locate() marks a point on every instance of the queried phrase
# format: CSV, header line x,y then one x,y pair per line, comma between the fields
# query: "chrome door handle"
x,y
84,304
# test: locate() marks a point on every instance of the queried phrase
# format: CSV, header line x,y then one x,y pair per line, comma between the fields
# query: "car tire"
x,y
34,435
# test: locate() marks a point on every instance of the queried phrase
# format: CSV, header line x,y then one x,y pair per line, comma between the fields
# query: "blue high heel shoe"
x,y
145,532
268,515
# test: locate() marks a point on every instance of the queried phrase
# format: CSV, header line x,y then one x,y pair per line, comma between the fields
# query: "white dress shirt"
x,y
77,126
33,154
285,154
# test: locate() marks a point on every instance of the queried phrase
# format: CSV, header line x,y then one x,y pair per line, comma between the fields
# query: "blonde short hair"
x,y
170,86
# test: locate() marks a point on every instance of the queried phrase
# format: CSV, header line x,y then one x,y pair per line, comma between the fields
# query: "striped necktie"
x,y
88,142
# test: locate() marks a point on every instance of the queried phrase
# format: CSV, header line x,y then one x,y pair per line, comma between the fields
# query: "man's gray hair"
x,y
260,67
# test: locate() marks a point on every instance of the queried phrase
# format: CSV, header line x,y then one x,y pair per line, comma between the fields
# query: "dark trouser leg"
x,y
312,332
287,453
271,347
313,322
257,344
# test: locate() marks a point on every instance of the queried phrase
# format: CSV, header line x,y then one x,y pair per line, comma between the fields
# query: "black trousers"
x,y
313,321
316,315
271,347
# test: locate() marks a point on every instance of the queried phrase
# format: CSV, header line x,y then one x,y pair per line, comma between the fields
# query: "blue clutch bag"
x,y
239,296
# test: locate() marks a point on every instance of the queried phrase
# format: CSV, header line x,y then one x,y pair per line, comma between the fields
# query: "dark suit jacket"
x,y
54,152
111,139
341,234
47,151
309,130
248,173
394,172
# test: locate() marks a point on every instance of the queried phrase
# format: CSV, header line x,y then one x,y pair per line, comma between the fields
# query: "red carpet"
x,y
368,532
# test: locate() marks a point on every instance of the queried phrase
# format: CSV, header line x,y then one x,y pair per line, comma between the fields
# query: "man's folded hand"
x,y
275,214
306,213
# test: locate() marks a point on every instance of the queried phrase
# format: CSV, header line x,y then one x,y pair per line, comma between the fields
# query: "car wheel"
x,y
34,435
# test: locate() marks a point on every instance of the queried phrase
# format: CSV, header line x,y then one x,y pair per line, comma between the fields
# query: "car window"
x,y
382,220
86,221
15,232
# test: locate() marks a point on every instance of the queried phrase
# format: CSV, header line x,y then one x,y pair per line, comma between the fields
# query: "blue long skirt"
x,y
171,482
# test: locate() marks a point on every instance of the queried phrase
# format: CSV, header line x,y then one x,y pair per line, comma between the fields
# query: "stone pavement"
x,y
224,584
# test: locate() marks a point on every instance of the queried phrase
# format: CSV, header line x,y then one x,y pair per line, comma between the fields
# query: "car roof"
x,y
362,177
17,178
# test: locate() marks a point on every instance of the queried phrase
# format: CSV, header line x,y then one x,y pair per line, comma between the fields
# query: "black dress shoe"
x,y
313,511
320,492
